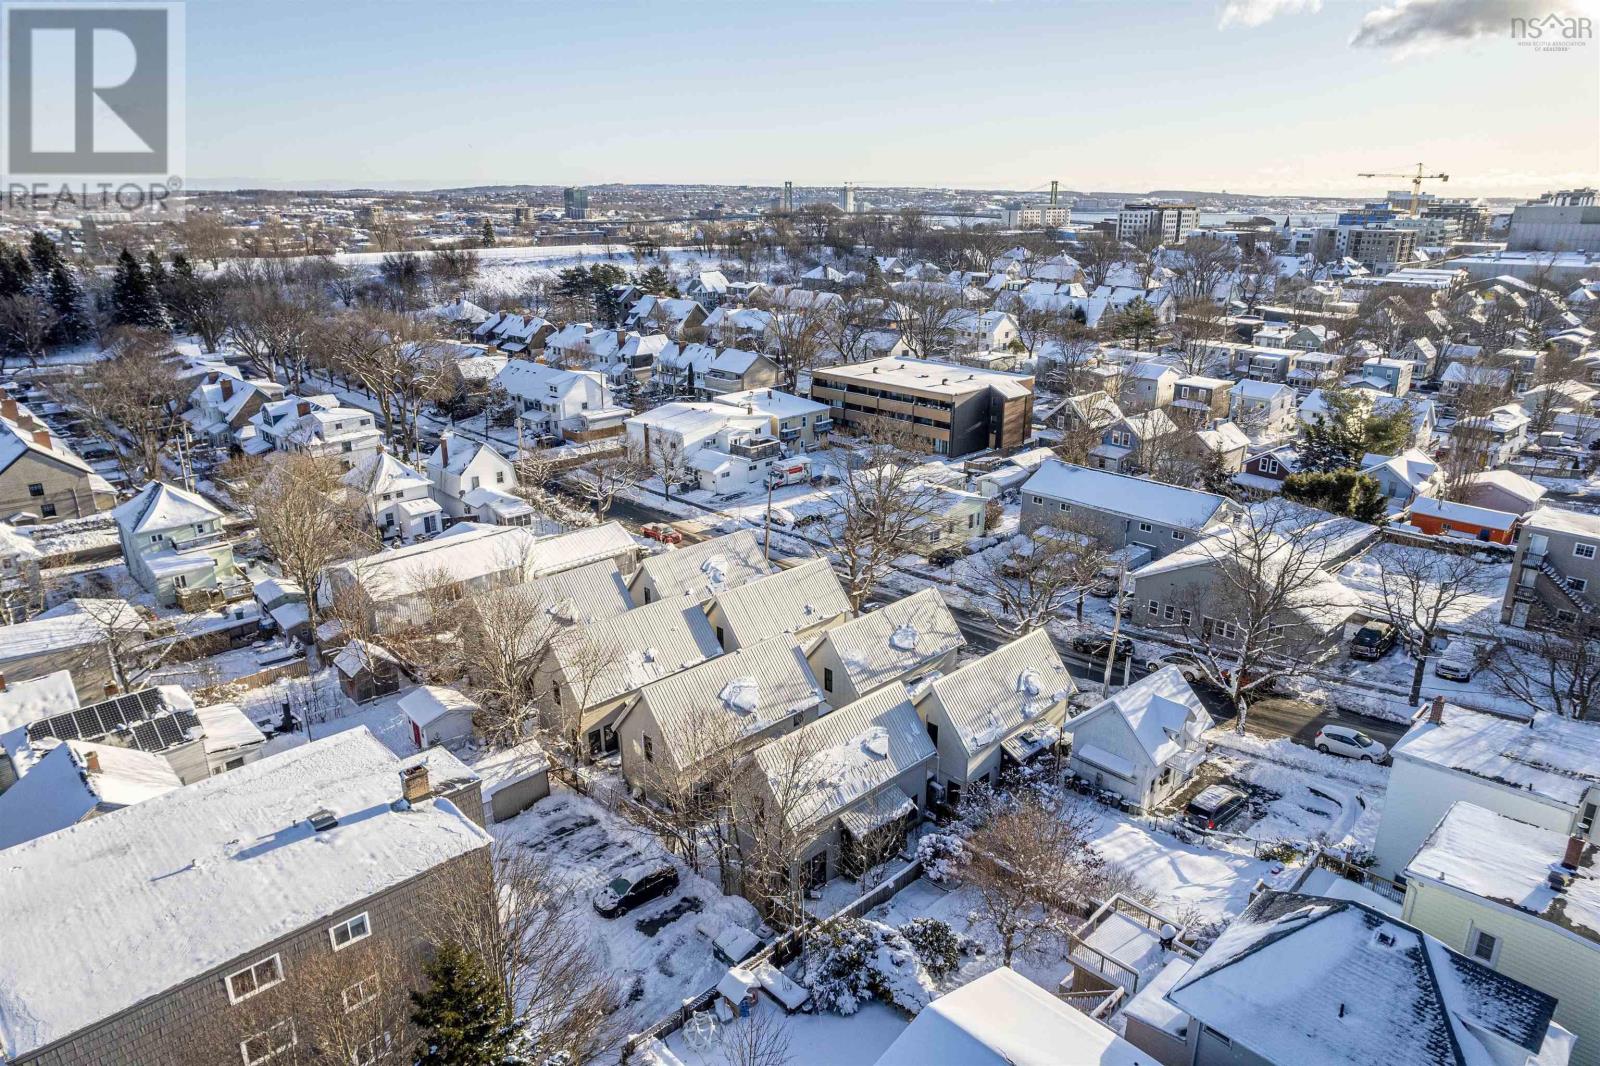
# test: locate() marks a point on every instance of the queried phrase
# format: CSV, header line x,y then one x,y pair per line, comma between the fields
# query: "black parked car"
x,y
1372,641
635,889
1215,807
1095,645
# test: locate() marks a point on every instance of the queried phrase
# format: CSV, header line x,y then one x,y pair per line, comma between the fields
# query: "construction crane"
x,y
1416,184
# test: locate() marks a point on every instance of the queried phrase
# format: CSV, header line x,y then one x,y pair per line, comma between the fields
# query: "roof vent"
x,y
323,820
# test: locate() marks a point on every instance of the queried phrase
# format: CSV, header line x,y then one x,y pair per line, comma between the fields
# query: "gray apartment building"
x,y
946,408
192,927
1120,509
1556,571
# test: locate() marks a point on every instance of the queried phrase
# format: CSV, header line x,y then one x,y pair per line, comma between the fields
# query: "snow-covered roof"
x,y
1412,466
1161,711
18,438
611,657
579,595
1487,854
924,375
1005,691
359,655
844,757
16,544
160,506
1527,490
508,766
700,571
22,702
1464,513
1305,979
728,698
1561,520
227,729
213,871
60,789
1550,756
1004,1019
382,473
790,601
1123,494
426,704
893,641
773,402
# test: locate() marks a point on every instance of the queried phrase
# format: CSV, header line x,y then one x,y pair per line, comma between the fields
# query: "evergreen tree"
x,y
154,269
134,300
64,294
655,282
43,255
1367,502
1348,493
874,274
182,269
488,234
1330,445
463,1017
16,273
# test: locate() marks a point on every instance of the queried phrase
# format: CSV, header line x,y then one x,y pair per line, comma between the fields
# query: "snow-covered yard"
x,y
813,1039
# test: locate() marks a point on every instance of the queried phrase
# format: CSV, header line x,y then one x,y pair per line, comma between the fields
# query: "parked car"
x,y
1372,641
635,889
1350,742
662,532
1459,661
1095,645
1215,807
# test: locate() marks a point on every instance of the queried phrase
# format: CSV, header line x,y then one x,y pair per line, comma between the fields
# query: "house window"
x,y
1269,465
346,446
649,748
827,679
1154,607
1065,506
269,1044
371,1052
346,933
1177,534
1563,615
1145,527
361,993
1586,823
1186,618
1577,584
1214,1035
499,477
1168,613
1037,500
1583,550
255,978
1483,946
47,510
36,489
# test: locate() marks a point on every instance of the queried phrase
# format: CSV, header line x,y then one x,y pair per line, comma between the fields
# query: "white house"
x,y
173,541
1545,772
1143,743
794,420
473,482
320,427
571,404
397,499
438,715
1263,409
667,437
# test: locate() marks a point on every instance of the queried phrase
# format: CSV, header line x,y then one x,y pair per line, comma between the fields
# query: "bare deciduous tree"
x,y
135,395
880,512
1421,588
1041,577
1562,674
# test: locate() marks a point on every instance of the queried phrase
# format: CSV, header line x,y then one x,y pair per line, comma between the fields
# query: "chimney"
x,y
1436,711
8,408
227,389
414,785
302,408
111,689
91,761
444,449
41,437
2,681
1574,853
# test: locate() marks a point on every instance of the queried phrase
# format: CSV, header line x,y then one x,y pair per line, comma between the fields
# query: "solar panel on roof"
x,y
145,737
168,730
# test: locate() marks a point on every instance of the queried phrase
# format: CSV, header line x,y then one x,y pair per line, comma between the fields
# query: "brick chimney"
x,y
91,761
302,408
111,689
227,389
1574,852
8,408
2,681
414,786
1436,711
41,437
444,451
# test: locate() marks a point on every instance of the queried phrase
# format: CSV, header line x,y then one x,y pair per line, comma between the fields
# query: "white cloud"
x,y
1260,12
1410,26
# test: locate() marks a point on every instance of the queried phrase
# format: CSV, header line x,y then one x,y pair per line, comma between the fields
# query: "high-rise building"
x,y
1018,215
1472,215
847,198
786,205
1147,220
576,202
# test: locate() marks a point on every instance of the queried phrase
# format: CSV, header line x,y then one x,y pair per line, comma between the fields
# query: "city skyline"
x,y
1203,96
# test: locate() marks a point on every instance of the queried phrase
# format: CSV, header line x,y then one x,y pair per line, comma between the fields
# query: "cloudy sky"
x,y
1264,96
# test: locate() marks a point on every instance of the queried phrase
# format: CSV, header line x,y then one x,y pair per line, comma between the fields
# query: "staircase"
x,y
1559,580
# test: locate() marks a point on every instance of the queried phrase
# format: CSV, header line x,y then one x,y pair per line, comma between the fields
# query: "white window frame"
x,y
1146,527
1583,550
363,995
227,982
274,1052
333,931
1474,935
1578,584
370,1052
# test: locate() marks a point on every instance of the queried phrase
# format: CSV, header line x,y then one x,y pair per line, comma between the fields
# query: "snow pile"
x,y
988,733
875,742
842,761
741,695
904,638
715,568
1029,683
942,856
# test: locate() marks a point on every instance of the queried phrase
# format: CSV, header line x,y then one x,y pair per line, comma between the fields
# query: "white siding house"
x,y
1144,742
